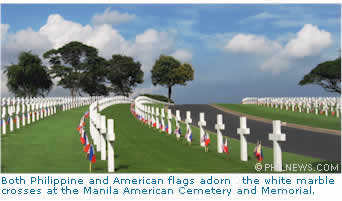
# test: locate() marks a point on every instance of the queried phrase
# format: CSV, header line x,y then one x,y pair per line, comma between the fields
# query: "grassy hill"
x,y
53,145
142,149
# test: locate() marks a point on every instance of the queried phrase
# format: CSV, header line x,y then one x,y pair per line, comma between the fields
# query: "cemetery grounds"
x,y
53,146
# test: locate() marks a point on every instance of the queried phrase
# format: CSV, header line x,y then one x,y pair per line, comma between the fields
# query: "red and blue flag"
x,y
91,155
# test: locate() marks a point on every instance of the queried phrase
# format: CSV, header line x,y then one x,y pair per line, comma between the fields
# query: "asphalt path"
x,y
315,144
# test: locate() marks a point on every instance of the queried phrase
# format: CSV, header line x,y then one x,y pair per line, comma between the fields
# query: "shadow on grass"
x,y
122,167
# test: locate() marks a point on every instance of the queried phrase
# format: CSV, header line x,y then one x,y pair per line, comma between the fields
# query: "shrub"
x,y
158,97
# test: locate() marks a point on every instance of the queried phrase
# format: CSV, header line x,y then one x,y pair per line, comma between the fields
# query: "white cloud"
x,y
277,63
3,80
182,55
260,16
58,31
149,45
309,41
26,40
264,15
4,30
250,43
293,16
112,17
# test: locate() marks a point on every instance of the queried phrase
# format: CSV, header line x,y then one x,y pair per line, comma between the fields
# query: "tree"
x,y
93,79
29,77
70,62
124,74
326,74
167,72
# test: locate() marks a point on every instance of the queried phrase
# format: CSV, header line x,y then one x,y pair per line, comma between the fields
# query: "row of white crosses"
x,y
34,109
101,138
102,130
327,105
276,136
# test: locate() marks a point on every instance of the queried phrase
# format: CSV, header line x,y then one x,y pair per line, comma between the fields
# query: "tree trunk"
x,y
170,91
72,92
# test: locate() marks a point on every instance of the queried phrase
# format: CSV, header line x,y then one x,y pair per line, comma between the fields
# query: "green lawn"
x,y
139,148
53,145
318,121
48,145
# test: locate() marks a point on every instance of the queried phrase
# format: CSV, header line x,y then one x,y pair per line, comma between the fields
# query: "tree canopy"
x,y
168,71
29,77
326,75
93,79
124,74
78,66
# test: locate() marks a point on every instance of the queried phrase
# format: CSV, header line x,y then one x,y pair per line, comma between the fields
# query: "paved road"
x,y
315,144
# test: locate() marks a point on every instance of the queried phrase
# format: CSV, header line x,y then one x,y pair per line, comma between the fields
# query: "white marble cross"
x,y
188,121
111,160
152,115
275,137
157,117
10,113
169,118
37,111
33,106
41,109
103,131
326,109
316,108
162,118
44,109
242,131
149,115
3,115
144,112
202,123
178,119
219,126
97,135
23,112
110,130
110,138
54,107
17,104
337,111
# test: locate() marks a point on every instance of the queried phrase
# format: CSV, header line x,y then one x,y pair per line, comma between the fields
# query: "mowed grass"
x,y
140,149
50,145
318,121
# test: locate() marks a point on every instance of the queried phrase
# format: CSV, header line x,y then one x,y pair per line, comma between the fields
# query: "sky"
x,y
236,50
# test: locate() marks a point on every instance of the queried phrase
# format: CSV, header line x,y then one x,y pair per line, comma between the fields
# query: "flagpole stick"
x,y
89,166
